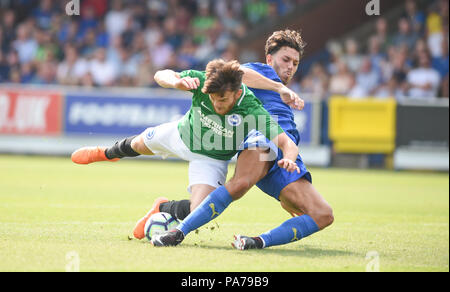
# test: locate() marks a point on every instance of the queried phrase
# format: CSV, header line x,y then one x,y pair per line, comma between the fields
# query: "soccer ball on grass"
x,y
159,222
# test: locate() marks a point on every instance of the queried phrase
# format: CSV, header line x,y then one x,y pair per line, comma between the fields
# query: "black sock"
x,y
121,149
177,209
259,242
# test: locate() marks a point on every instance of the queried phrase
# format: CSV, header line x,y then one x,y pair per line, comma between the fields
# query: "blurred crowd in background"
x,y
124,42
409,61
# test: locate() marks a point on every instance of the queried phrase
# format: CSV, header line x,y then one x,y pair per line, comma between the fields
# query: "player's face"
x,y
285,63
224,103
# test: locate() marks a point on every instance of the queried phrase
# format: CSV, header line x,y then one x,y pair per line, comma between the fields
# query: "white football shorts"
x,y
165,141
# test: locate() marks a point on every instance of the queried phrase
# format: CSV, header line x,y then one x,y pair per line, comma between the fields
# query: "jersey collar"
x,y
242,95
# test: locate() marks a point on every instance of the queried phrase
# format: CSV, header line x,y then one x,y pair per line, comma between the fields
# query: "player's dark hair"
x,y
222,76
285,38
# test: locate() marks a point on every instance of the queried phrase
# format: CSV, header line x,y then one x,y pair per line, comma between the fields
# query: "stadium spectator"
x,y
4,68
145,71
102,36
3,43
8,19
441,63
43,14
88,80
128,67
173,37
46,48
139,14
2,40
437,28
256,10
367,80
99,6
182,19
27,73
104,72
129,33
423,81
375,55
73,68
390,89
400,67
445,87
414,16
161,52
435,43
46,73
220,37
202,22
58,21
116,18
158,9
88,21
405,34
152,32
88,44
437,16
343,81
2,49
68,32
14,76
382,33
12,60
25,44
186,54
335,50
229,19
139,45
113,51
231,52
419,47
395,64
352,57
316,82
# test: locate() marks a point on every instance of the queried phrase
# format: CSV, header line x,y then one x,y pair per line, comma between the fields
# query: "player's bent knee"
x,y
238,187
139,146
329,218
324,217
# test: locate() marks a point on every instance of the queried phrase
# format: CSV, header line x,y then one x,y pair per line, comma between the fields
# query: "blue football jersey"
x,y
272,102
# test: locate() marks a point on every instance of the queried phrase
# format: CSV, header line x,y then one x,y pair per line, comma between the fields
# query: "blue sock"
x,y
291,230
211,207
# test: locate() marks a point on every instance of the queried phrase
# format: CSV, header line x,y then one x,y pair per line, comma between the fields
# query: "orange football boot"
x,y
139,231
88,155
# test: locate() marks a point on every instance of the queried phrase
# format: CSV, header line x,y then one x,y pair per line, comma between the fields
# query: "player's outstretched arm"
x,y
255,80
171,79
290,152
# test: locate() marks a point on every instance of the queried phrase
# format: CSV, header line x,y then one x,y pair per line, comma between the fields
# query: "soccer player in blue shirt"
x,y
295,191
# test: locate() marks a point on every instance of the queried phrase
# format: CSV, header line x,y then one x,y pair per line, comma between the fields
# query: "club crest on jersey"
x,y
234,120
150,133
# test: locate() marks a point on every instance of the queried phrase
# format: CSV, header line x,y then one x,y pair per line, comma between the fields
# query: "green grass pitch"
x,y
58,216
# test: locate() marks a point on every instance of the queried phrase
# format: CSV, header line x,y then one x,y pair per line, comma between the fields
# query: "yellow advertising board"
x,y
362,125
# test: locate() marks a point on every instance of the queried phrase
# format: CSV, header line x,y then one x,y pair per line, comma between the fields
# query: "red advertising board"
x,y
30,112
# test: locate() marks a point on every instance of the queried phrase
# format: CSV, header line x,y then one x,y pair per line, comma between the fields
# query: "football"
x,y
159,222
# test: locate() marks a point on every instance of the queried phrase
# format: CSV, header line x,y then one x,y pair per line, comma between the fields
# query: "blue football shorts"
x,y
277,178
